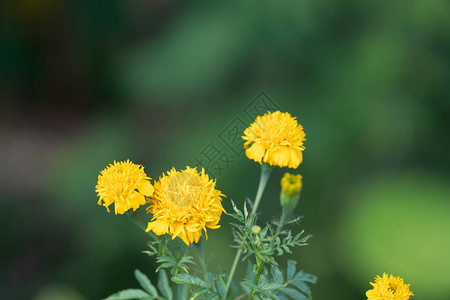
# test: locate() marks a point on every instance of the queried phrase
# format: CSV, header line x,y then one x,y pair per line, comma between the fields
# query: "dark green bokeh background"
x,y
83,83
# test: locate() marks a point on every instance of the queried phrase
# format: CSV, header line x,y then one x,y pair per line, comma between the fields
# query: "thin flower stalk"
x,y
264,178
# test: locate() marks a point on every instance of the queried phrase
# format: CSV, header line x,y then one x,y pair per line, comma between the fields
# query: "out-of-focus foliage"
x,y
83,83
399,222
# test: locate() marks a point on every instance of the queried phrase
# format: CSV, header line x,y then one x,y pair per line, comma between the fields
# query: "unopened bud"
x,y
256,230
291,186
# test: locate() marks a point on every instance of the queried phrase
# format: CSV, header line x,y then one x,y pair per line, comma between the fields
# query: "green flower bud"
x,y
256,230
291,186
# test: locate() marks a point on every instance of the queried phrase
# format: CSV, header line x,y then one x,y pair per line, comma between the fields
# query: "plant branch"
x,y
265,174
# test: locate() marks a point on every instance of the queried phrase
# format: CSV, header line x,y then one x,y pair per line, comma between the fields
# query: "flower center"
x,y
392,289
184,189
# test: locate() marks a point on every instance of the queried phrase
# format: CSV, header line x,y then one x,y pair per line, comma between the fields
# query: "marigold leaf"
x,y
211,280
294,293
128,294
281,297
190,280
163,285
145,282
221,287
291,268
264,231
276,274
182,292
302,286
280,252
303,276
212,297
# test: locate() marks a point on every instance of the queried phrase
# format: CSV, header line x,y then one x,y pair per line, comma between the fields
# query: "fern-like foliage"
x,y
279,285
150,292
268,242
170,255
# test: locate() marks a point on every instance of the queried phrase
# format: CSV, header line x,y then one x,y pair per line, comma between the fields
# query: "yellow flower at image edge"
x,y
184,204
389,288
125,184
275,138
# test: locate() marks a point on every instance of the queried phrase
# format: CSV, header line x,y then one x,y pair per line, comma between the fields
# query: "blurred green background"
x,y
83,83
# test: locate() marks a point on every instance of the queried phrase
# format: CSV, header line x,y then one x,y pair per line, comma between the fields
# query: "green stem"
x,y
259,268
284,215
136,220
265,174
233,269
201,258
260,264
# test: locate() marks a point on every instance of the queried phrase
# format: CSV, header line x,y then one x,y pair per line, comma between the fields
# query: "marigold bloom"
x,y
275,138
125,184
184,204
291,184
389,288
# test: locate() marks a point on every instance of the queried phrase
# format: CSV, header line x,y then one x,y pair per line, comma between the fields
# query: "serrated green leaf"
x,y
286,248
250,274
128,294
210,277
190,280
306,238
200,291
294,293
212,297
270,286
236,209
221,287
248,285
281,297
303,276
145,283
277,241
163,285
187,259
164,266
291,268
264,231
182,292
302,286
276,274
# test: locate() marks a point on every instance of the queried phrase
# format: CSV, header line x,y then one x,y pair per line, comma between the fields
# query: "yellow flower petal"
x,y
255,152
275,138
186,202
389,288
146,188
118,183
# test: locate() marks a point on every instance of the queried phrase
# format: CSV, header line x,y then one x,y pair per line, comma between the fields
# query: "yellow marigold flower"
x,y
389,288
125,184
184,204
291,184
275,138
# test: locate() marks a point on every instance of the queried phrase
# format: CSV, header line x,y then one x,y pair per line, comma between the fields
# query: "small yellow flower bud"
x,y
256,229
291,186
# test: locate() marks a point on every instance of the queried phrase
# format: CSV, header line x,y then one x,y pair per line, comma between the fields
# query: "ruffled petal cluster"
x,y
291,184
275,138
184,204
125,184
389,288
